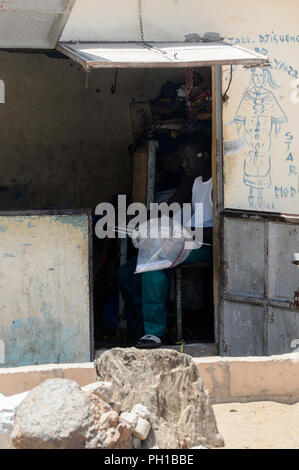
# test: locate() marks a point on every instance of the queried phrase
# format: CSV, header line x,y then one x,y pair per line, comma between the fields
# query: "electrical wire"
x,y
225,96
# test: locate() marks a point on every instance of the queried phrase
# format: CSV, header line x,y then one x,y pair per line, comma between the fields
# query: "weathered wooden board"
x,y
140,175
44,289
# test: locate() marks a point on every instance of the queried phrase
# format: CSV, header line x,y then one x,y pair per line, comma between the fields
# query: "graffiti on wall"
x,y
259,118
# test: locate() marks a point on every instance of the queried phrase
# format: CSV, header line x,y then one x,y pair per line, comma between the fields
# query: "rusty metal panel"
x,y
243,329
244,257
283,331
33,23
279,321
283,275
45,301
133,54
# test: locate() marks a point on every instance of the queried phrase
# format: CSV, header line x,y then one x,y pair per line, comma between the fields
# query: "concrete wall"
x,y
63,145
32,23
270,27
227,379
170,20
247,379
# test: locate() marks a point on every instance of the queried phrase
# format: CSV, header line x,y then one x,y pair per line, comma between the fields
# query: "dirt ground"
x,y
258,425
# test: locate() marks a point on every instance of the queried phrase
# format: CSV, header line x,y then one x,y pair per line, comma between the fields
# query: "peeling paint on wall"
x,y
44,282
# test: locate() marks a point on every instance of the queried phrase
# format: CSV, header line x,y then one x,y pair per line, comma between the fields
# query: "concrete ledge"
x,y
20,379
245,379
228,379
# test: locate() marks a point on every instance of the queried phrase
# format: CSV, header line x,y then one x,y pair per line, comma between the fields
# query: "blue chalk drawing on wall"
x,y
258,116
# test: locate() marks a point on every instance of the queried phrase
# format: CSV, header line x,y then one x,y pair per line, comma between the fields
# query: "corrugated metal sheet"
x,y
45,304
33,23
98,55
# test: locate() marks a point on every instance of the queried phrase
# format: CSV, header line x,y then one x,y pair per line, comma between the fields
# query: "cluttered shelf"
x,y
180,108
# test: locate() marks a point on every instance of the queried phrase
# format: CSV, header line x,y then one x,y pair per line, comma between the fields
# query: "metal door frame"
x,y
217,175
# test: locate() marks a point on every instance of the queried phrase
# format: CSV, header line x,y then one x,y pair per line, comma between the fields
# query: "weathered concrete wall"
x,y
245,379
227,379
260,117
63,145
170,20
32,23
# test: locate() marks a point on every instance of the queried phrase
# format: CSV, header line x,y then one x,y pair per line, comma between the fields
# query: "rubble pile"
x,y
142,399
59,415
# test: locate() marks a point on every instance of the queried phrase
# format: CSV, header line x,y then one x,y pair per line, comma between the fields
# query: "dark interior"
x,y
171,120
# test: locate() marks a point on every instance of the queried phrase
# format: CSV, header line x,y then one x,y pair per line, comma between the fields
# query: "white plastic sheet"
x,y
162,244
8,408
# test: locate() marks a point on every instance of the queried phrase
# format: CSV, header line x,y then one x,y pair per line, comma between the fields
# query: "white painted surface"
x,y
261,172
170,20
271,27
32,23
98,20
98,55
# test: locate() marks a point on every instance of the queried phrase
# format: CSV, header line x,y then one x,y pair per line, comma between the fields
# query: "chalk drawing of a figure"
x,y
259,116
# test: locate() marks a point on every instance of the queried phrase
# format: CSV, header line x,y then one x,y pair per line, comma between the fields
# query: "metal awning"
x,y
158,54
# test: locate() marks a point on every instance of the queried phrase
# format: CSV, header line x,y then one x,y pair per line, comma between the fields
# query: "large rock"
x,y
59,415
168,384
54,415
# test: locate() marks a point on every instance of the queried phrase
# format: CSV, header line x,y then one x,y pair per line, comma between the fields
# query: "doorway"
x,y
160,125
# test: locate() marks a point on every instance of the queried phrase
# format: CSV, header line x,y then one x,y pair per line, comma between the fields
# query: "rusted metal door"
x,y
259,282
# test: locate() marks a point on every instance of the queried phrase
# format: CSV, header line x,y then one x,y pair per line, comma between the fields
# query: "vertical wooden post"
x,y
151,172
178,279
